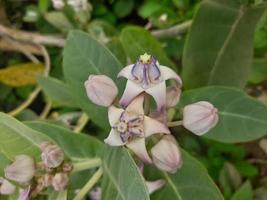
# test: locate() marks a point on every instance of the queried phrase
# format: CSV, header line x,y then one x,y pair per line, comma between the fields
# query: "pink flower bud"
x,y
52,155
166,154
200,117
21,170
173,96
6,188
101,90
60,181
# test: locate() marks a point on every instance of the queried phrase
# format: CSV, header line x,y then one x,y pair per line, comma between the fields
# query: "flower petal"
x,y
126,72
152,126
24,195
138,146
130,92
152,186
136,106
114,115
158,92
114,139
168,73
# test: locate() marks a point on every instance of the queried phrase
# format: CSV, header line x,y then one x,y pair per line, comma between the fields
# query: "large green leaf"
x,y
16,138
190,182
219,48
57,91
122,179
241,118
137,41
83,56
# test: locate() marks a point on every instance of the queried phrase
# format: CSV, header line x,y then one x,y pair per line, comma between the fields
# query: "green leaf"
x,y
57,91
62,195
259,71
4,161
16,138
241,118
59,20
83,56
219,48
244,192
137,41
123,8
122,179
75,145
190,182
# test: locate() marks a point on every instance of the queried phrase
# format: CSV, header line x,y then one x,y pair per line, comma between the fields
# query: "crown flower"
x,y
148,76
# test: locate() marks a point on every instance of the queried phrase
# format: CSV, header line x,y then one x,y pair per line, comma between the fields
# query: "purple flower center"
x,y
146,73
130,125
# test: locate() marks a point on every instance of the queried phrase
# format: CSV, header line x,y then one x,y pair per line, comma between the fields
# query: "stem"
x,y
88,164
175,123
89,185
46,109
26,103
173,31
81,123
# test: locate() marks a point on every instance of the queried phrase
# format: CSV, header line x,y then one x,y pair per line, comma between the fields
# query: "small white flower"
x,y
130,127
21,170
147,75
101,90
166,154
200,117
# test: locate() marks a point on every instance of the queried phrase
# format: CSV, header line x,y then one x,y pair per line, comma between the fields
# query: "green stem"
x,y
89,185
88,164
175,123
81,123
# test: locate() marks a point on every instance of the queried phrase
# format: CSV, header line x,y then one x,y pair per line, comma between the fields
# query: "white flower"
x,y
200,117
101,90
21,170
166,154
147,75
130,127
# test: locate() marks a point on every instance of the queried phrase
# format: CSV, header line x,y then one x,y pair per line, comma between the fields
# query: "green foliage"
x,y
83,56
219,48
137,41
122,179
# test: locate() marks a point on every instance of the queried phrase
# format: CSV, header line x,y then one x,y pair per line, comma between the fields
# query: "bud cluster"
x,y
132,125
53,171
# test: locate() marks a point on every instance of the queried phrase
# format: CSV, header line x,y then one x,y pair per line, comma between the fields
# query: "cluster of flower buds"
x,y
132,125
34,177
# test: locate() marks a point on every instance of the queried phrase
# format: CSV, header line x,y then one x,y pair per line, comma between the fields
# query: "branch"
x,y
173,31
33,38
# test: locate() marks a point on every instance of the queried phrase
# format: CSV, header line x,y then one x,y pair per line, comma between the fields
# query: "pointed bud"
x,y
52,155
21,170
101,90
24,195
58,4
173,96
96,194
200,117
152,186
6,188
166,154
67,167
60,181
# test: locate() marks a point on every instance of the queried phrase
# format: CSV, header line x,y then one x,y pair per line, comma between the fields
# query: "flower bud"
x,y
60,181
101,90
52,155
21,170
173,96
200,117
166,154
24,194
6,188
152,186
58,4
67,167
